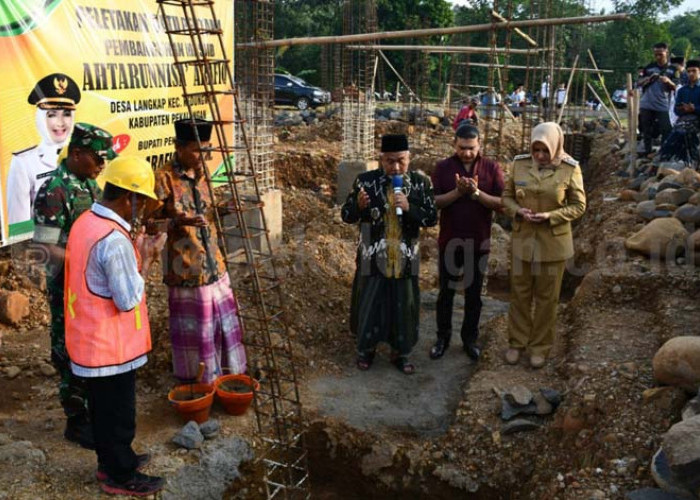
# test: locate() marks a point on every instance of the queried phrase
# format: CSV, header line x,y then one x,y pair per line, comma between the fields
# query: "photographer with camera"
x,y
658,81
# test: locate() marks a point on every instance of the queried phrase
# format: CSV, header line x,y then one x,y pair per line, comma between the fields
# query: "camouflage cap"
x,y
93,137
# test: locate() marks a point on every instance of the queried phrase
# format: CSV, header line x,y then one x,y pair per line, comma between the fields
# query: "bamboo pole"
x,y
520,32
605,88
601,101
631,132
474,28
580,70
398,75
374,75
444,49
568,86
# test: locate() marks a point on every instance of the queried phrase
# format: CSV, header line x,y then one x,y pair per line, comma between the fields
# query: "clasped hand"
x,y
530,216
466,185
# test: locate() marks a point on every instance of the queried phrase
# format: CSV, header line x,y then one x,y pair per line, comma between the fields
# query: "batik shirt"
x,y
389,243
192,255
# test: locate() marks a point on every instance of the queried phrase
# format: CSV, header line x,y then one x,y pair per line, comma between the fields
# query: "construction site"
x,y
320,428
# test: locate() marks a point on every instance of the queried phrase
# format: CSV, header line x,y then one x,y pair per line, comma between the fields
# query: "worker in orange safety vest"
x,y
107,330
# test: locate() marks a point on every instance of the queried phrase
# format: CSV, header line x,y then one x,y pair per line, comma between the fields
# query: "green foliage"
x,y
621,46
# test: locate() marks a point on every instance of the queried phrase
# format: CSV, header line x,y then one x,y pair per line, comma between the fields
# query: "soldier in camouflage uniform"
x,y
69,192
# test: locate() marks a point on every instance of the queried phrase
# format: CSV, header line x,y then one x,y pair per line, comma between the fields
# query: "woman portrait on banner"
x,y
55,97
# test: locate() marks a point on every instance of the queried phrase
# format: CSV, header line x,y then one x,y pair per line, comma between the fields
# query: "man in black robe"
x,y
391,204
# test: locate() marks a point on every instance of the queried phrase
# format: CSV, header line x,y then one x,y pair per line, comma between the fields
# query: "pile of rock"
x,y
676,465
519,400
669,203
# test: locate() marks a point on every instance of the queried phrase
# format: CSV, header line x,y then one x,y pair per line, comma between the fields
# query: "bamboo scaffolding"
x,y
474,28
568,86
520,32
603,104
398,75
510,66
605,88
444,49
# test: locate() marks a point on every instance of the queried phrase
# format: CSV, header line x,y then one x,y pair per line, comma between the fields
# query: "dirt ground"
x,y
618,310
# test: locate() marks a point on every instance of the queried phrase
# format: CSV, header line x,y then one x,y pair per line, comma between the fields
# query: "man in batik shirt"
x,y
204,325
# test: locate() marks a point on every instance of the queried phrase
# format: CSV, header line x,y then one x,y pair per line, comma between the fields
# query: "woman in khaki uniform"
x,y
543,194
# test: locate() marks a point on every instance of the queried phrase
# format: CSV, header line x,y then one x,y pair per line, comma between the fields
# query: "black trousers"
x,y
653,123
112,404
460,268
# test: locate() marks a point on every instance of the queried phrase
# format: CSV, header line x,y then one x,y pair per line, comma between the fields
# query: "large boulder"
x,y
673,196
688,177
682,447
677,362
688,213
664,237
14,307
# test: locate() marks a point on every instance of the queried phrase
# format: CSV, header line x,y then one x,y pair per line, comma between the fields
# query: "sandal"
x,y
404,366
364,360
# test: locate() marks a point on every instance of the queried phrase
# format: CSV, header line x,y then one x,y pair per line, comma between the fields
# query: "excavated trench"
x,y
407,458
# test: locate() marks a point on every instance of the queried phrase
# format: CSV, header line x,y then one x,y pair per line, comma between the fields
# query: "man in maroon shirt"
x,y
467,191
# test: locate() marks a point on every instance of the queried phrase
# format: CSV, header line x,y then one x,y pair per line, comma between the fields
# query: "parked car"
x,y
619,98
296,92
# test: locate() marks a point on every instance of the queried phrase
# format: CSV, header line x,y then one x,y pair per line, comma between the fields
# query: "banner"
x,y
110,61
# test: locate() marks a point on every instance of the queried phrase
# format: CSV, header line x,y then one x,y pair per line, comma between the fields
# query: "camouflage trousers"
x,y
72,390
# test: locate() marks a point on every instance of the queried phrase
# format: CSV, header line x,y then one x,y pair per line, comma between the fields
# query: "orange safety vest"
x,y
97,333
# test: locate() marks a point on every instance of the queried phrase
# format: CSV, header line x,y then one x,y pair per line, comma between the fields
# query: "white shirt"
x,y
544,90
112,272
29,169
561,96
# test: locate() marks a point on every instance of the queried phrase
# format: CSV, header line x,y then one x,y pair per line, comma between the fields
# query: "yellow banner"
x,y
114,62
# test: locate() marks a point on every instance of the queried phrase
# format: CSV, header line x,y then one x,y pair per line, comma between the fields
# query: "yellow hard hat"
x,y
130,173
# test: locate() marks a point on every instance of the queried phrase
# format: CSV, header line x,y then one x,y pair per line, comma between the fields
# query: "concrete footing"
x,y
272,209
347,172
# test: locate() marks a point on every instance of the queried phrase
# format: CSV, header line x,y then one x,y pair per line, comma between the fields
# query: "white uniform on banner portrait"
x,y
55,97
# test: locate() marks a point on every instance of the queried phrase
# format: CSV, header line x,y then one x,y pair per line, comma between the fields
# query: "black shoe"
x,y
142,461
79,431
140,485
438,350
472,351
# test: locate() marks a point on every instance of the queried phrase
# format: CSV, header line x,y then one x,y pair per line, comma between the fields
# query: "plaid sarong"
x,y
204,327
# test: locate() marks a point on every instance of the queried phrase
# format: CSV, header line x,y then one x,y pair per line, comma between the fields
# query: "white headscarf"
x,y
551,135
50,148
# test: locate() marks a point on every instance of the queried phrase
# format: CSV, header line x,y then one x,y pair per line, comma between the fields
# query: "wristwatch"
x,y
475,195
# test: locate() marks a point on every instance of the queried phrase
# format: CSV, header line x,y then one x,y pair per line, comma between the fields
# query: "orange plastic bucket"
x,y
189,402
235,402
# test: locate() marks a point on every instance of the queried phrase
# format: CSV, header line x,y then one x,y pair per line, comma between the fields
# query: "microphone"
x,y
397,182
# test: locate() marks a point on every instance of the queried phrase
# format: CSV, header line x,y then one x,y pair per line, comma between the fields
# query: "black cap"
x,y
394,143
55,91
185,130
693,63
678,60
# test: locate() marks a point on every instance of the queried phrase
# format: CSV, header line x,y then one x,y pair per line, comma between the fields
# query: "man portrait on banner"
x,y
55,97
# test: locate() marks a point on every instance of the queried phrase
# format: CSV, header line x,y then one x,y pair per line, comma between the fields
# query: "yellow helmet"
x,y
130,173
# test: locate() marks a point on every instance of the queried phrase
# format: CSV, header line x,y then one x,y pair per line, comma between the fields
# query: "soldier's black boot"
x,y
79,431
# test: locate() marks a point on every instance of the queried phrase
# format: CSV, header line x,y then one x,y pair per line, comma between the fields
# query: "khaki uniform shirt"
x,y
557,190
